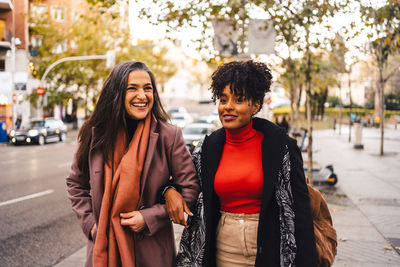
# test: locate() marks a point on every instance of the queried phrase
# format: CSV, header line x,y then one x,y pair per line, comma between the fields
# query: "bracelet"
x,y
166,188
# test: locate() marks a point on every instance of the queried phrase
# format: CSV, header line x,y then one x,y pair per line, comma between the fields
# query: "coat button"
x,y
259,250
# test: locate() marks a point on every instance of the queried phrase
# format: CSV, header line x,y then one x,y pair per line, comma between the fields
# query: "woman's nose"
x,y
141,94
229,105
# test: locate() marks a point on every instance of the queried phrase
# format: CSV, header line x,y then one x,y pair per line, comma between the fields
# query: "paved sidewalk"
x,y
365,204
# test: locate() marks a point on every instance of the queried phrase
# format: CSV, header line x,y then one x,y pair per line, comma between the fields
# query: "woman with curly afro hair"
x,y
254,207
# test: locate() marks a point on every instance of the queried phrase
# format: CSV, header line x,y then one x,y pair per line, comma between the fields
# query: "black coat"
x,y
268,237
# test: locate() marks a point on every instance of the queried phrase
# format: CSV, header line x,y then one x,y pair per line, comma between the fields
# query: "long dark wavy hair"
x,y
109,114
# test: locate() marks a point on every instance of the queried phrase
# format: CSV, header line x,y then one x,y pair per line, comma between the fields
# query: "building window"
x,y
58,13
75,16
36,41
39,10
59,47
2,30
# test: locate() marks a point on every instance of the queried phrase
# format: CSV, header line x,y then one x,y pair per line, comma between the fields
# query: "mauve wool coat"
x,y
166,157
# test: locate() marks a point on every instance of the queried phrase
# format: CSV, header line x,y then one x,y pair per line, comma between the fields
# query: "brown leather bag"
x,y
325,234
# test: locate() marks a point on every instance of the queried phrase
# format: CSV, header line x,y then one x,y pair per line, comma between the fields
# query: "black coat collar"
x,y
273,147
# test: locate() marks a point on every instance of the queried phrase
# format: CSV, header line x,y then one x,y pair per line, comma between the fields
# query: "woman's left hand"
x,y
134,220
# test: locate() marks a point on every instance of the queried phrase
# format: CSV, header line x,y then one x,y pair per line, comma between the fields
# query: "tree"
x,y
296,24
337,59
292,79
95,32
383,24
306,15
323,78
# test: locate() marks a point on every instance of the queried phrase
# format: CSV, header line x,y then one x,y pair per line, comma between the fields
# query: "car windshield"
x,y
33,124
196,131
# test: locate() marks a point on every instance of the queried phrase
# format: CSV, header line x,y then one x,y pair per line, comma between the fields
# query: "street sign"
x,y
225,37
261,37
14,98
40,91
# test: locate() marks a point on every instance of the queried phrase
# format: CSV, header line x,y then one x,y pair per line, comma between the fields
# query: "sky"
x,y
145,30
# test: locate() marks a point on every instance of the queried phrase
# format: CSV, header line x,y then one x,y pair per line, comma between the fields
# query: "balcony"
x,y
5,45
6,5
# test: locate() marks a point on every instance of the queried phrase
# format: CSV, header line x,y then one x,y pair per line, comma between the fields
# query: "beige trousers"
x,y
237,240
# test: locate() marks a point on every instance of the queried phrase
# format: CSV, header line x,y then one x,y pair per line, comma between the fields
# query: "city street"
x,y
37,225
38,228
365,204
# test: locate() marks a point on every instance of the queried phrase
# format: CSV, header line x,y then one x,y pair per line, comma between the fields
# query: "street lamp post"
x,y
109,56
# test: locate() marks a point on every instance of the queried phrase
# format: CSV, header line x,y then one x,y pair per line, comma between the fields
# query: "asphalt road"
x,y
37,225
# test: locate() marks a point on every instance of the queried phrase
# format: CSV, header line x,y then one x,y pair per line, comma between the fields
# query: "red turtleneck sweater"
x,y
239,178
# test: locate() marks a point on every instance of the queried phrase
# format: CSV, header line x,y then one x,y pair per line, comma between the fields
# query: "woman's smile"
x,y
229,117
139,96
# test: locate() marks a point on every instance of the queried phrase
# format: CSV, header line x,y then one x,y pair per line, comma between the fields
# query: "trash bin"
x,y
358,136
3,132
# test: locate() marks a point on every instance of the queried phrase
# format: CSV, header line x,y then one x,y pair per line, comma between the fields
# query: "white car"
x,y
177,110
194,132
181,119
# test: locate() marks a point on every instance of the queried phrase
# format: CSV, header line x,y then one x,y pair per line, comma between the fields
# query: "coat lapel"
x,y
151,148
273,147
213,153
96,170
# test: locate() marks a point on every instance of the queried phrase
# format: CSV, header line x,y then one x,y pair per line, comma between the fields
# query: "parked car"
x,y
39,131
209,120
181,119
176,110
194,132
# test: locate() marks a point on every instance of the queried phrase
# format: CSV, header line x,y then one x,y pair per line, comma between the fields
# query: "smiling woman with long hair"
x,y
127,151
254,207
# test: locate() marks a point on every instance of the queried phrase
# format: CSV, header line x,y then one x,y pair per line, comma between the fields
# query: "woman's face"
x,y
235,111
139,97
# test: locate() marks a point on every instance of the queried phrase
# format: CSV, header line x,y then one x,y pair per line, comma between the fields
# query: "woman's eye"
x,y
239,100
148,88
222,100
131,88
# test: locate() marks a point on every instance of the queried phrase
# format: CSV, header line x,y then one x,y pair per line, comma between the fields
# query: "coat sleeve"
x,y
306,254
184,175
78,188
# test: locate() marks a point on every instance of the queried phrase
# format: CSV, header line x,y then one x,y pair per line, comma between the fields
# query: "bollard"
x,y
358,136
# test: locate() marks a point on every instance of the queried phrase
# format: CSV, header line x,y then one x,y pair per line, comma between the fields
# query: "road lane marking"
x,y
15,200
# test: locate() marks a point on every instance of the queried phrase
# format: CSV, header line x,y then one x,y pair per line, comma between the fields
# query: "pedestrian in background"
x,y
284,124
127,152
254,207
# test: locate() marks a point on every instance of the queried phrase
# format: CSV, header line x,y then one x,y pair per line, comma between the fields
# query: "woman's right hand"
x,y
176,206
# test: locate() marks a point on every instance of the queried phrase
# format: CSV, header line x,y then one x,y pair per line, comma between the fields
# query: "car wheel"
x,y
63,136
41,140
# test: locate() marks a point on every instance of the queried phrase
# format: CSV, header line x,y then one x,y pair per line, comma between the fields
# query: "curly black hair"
x,y
245,78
